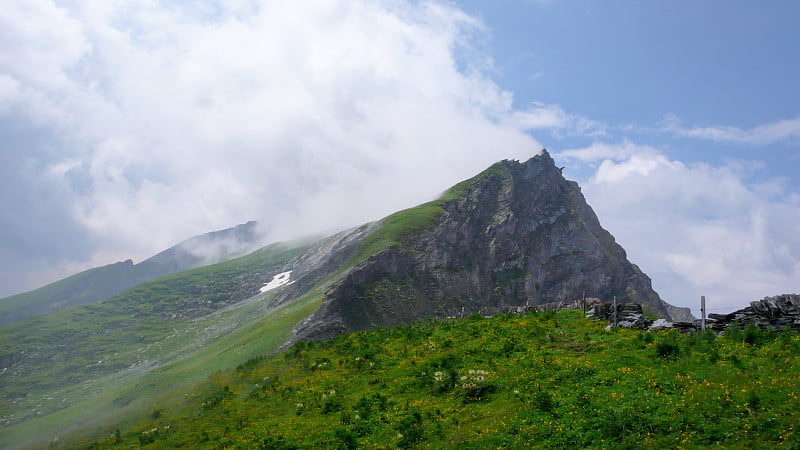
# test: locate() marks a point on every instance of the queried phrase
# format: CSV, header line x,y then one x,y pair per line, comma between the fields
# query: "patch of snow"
x,y
278,280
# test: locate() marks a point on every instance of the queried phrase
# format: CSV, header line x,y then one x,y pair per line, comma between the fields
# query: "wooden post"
x,y
703,313
614,312
583,304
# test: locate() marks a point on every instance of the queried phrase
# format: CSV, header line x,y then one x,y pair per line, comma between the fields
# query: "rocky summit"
x,y
516,237
519,233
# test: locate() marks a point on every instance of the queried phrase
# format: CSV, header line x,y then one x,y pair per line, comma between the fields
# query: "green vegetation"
x,y
495,171
542,380
154,341
85,287
400,226
143,345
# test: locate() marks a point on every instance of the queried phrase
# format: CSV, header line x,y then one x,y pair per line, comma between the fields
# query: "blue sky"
x,y
709,64
128,126
706,84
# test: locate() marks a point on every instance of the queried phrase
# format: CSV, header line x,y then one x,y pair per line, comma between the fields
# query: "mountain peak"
x,y
540,159
518,233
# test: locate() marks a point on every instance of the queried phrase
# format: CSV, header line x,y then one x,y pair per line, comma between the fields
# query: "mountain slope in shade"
x,y
103,282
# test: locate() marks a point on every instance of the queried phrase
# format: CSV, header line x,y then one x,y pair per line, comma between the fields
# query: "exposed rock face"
x,y
517,234
323,258
680,314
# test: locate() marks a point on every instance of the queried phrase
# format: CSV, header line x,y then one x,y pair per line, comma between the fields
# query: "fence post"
x,y
583,304
703,313
614,312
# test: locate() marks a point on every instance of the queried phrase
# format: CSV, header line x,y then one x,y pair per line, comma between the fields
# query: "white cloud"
x,y
554,118
760,135
697,229
168,121
38,40
599,151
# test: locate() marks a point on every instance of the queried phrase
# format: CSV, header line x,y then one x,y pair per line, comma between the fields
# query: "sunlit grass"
x,y
548,380
400,226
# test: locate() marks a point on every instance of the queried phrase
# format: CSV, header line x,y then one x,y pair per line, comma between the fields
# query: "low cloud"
x,y
162,122
130,126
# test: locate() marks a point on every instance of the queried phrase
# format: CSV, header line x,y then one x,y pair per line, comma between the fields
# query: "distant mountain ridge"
x,y
99,283
208,248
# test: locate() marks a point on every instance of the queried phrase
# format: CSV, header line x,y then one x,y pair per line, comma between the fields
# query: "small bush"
x,y
409,430
754,335
345,440
441,374
332,404
250,364
275,443
668,348
214,399
544,401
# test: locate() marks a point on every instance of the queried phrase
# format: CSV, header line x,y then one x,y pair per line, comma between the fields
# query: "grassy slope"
x,y
403,224
108,345
546,380
81,288
65,365
122,396
136,338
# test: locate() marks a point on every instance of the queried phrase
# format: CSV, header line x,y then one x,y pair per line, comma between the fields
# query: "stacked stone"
x,y
629,315
490,311
686,327
778,312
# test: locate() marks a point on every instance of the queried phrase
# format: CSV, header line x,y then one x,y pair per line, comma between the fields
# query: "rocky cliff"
x,y
516,234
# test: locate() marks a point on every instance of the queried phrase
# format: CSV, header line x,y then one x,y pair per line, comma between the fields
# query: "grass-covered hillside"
x,y
82,365
85,287
541,380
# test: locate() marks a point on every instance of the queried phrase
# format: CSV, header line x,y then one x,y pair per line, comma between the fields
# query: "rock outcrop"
x,y
516,234
680,313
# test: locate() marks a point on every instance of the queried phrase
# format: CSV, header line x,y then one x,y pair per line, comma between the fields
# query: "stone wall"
x,y
628,315
778,313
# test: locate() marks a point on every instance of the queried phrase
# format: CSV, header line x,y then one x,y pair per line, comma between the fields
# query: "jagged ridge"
x,y
516,234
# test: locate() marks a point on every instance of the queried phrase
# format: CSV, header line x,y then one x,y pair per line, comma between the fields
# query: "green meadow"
x,y
548,380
